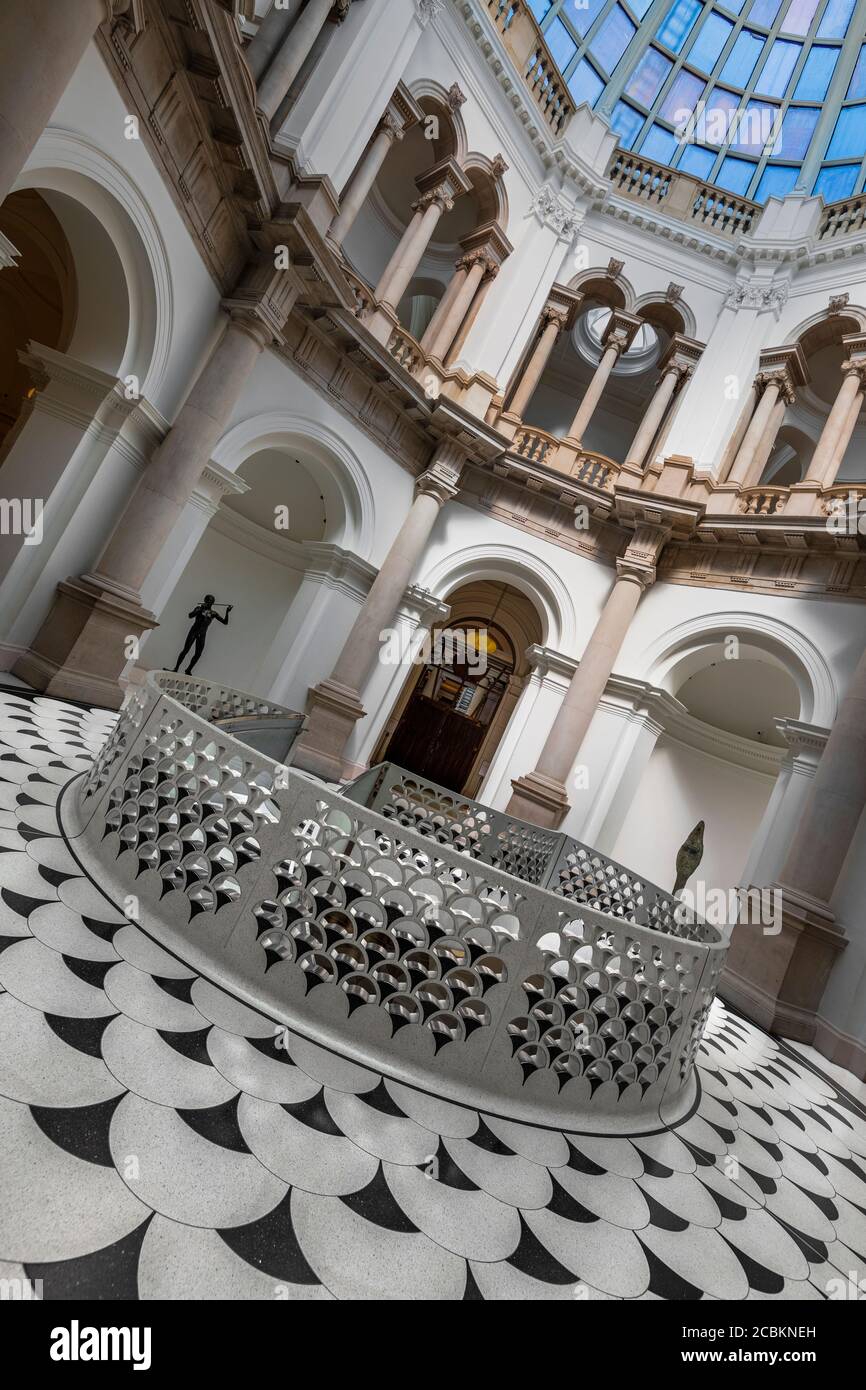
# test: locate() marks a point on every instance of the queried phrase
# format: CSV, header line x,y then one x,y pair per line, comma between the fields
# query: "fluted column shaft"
x,y
653,417
407,257
835,801
175,468
459,307
742,464
594,391
291,56
534,368
41,44
362,181
837,431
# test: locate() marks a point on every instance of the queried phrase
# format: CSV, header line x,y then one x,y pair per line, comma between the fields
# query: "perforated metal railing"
x,y
375,932
543,857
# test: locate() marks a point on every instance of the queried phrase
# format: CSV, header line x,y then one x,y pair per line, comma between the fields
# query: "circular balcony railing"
x,y
362,930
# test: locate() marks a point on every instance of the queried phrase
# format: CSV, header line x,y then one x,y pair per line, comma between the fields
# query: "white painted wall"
x,y
680,787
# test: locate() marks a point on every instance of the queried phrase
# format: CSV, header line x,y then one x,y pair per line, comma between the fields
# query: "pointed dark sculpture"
x,y
202,615
689,856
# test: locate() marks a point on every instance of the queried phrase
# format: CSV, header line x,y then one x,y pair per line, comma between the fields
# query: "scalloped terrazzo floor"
x,y
155,1142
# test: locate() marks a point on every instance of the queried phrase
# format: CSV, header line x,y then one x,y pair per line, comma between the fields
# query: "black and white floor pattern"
x,y
156,1142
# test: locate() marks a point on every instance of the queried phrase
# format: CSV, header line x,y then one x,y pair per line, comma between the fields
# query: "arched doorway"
x,y
463,688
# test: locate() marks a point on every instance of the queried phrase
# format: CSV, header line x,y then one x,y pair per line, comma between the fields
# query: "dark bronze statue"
x,y
689,856
202,615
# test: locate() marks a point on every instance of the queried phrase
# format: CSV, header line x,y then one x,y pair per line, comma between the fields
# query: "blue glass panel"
x,y
585,83
735,174
834,21
696,160
626,122
719,118
764,12
776,72
754,127
817,70
776,181
740,62
639,7
649,74
613,38
837,183
677,23
733,6
710,42
857,85
540,8
799,16
583,13
798,127
561,44
849,137
682,97
659,144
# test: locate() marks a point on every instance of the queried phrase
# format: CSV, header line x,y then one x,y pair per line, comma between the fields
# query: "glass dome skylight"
x,y
759,97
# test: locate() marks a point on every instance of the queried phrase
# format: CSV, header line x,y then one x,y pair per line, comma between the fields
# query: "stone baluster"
x,y
541,796
335,704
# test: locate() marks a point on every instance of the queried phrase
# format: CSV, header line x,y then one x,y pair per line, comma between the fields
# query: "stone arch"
x,y
674,316
532,576
346,485
694,644
65,164
432,97
599,285
489,189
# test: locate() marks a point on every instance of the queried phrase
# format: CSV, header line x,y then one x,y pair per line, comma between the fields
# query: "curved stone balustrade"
x,y
364,935
763,501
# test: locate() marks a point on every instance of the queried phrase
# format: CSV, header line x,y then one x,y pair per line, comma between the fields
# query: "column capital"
x,y
265,295
439,482
401,113
490,241
682,356
562,306
620,331
442,183
635,572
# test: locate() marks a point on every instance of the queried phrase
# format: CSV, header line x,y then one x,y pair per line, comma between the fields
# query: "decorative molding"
x,y
552,211
427,10
756,294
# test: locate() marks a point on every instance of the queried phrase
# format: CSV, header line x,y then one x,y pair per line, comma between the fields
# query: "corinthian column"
x,y
83,645
839,426
402,112
771,388
41,44
541,796
618,337
677,366
335,704
557,317
474,266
